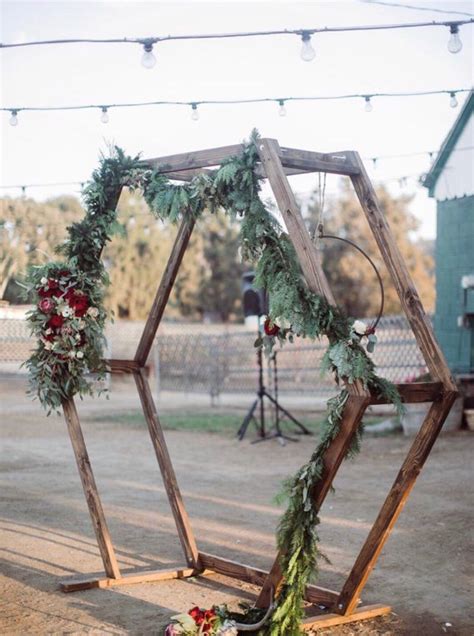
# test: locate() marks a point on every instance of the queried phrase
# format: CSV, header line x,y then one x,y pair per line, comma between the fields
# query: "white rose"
x,y
80,354
48,331
359,327
47,345
44,281
66,312
93,312
72,354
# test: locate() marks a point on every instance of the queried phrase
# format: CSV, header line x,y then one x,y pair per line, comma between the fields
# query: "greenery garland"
x,y
72,323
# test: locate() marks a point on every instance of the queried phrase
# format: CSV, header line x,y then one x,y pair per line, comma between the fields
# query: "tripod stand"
x,y
280,412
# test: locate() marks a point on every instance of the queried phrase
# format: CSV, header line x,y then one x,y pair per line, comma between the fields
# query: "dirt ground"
x,y
424,573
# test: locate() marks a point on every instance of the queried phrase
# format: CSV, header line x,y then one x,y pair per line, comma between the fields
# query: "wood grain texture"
x,y
335,163
394,502
116,366
90,582
196,159
414,392
180,515
268,151
401,278
331,620
164,290
235,570
90,490
351,418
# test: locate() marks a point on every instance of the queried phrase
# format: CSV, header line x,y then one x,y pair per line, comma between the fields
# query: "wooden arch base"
x,y
275,164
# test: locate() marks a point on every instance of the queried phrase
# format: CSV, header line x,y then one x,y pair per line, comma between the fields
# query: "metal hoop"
x,y
374,324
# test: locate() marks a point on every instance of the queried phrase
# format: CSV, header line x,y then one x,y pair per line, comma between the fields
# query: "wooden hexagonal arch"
x,y
275,164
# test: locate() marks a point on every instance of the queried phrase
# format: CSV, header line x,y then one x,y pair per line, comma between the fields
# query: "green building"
x,y
451,182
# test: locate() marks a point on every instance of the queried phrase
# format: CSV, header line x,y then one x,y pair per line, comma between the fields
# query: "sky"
x,y
61,147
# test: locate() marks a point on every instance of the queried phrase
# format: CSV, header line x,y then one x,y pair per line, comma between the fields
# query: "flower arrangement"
x,y
200,622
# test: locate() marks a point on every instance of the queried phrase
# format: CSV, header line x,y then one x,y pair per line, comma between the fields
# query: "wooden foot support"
x,y
89,582
331,620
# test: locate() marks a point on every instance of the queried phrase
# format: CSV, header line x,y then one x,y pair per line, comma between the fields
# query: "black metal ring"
x,y
374,324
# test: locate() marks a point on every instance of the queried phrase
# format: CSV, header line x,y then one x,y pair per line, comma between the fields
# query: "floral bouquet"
x,y
212,622
68,323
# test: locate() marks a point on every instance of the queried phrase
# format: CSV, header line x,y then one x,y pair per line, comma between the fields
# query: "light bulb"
x,y
307,51
454,42
368,105
194,112
148,59
14,118
453,102
282,109
104,118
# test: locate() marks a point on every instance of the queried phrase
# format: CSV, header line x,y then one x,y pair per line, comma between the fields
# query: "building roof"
x,y
448,144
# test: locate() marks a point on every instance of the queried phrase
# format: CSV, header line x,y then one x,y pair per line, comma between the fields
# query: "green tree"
x,y
350,276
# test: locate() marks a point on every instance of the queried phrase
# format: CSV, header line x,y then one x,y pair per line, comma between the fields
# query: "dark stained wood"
x,y
331,620
121,366
268,151
181,518
146,576
394,502
335,163
235,570
402,281
414,392
90,490
164,290
351,418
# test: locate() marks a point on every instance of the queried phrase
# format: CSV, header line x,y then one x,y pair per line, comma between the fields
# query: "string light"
x,y
194,112
282,109
223,102
453,102
454,42
148,58
307,51
104,118
368,104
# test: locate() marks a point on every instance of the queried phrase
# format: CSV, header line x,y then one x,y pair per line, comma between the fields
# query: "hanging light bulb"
x,y
14,118
104,118
282,109
194,112
453,102
368,104
148,59
307,51
454,42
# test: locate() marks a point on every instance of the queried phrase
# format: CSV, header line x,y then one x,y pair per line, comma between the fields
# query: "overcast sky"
x,y
64,146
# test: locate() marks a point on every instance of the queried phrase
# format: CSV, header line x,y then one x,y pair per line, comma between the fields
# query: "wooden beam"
x,y
351,418
268,151
90,490
331,620
89,582
403,283
335,163
170,483
394,503
233,569
164,290
414,392
196,159
121,366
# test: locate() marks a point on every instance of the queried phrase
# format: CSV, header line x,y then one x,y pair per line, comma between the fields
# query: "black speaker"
x,y
255,301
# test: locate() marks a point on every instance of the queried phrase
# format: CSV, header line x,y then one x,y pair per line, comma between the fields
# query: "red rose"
x,y
270,328
46,305
45,293
78,301
49,337
56,321
52,283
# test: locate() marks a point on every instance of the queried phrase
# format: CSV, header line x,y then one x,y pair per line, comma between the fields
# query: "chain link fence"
x,y
217,359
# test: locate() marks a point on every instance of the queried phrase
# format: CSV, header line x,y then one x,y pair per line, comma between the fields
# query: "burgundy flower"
x,y
56,321
78,301
46,305
270,328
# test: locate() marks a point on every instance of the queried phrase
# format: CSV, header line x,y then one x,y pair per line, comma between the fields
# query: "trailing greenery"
x,y
295,311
